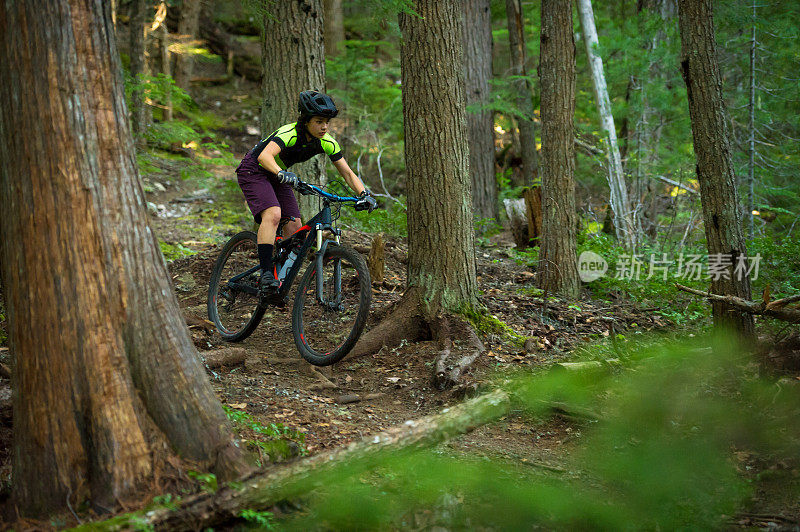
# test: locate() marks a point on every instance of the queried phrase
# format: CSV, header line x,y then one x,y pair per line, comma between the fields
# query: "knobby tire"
x,y
236,314
324,335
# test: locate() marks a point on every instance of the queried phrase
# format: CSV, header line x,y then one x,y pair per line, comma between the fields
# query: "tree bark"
x,y
334,27
719,197
477,28
166,68
751,126
441,247
188,29
106,377
138,68
558,269
624,223
293,57
527,132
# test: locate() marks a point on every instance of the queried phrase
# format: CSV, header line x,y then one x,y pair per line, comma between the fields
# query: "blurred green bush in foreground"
x,y
663,453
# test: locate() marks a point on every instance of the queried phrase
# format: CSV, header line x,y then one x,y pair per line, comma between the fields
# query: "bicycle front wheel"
x,y
326,324
233,301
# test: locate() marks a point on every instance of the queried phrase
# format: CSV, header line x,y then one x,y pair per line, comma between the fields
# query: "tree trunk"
x,y
334,27
106,375
558,269
293,58
441,245
719,197
751,149
623,216
163,46
441,248
650,125
527,133
188,29
138,68
480,123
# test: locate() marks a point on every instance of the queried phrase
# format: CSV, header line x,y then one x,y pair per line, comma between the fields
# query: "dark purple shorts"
x,y
262,191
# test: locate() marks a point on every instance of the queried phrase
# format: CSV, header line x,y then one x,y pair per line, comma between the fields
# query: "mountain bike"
x,y
333,296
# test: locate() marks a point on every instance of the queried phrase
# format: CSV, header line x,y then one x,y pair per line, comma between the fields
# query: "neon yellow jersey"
x,y
294,147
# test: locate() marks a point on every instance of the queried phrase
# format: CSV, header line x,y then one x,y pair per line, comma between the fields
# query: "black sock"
x,y
265,256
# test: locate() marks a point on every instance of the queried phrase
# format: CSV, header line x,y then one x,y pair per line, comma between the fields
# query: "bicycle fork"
x,y
322,246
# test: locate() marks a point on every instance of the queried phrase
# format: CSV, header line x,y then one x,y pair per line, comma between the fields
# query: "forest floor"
x,y
275,385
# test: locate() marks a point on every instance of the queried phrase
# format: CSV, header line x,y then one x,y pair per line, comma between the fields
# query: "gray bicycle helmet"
x,y
314,103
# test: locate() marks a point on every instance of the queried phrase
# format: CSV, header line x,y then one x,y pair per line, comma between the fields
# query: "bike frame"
x,y
323,221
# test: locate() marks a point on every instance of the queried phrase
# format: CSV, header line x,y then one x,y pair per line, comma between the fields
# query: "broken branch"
x,y
772,310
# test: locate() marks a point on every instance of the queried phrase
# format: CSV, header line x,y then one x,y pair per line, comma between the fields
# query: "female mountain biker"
x,y
267,184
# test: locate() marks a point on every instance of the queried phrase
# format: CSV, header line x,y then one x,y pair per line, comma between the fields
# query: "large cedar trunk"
x,y
441,246
293,57
106,375
558,270
334,26
480,124
441,254
527,133
188,29
138,67
720,199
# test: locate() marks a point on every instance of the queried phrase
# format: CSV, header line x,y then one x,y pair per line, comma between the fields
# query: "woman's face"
x,y
318,126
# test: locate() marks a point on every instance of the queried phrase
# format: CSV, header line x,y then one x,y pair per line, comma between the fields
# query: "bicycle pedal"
x,y
273,300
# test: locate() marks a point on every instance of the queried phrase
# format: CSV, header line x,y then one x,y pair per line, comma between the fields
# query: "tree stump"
x,y
518,221
376,259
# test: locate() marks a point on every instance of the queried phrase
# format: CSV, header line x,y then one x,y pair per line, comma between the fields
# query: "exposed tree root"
x,y
448,373
410,321
405,322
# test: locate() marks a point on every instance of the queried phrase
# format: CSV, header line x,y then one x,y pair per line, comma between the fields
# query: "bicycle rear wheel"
x,y
327,325
233,301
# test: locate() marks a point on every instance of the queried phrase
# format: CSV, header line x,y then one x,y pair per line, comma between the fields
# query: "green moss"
x,y
175,251
486,323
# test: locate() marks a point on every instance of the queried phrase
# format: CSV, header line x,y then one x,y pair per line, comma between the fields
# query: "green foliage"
x,y
505,188
263,520
208,481
646,288
365,82
275,438
172,252
390,219
659,457
779,267
485,229
777,96
166,500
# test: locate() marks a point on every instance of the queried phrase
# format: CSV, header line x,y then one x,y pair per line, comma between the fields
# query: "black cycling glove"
x,y
288,178
366,202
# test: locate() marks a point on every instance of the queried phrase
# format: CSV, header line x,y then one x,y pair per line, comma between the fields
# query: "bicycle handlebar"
x,y
307,189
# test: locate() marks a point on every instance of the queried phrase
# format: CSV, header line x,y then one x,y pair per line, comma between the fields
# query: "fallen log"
x,y
775,309
263,490
227,356
224,45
